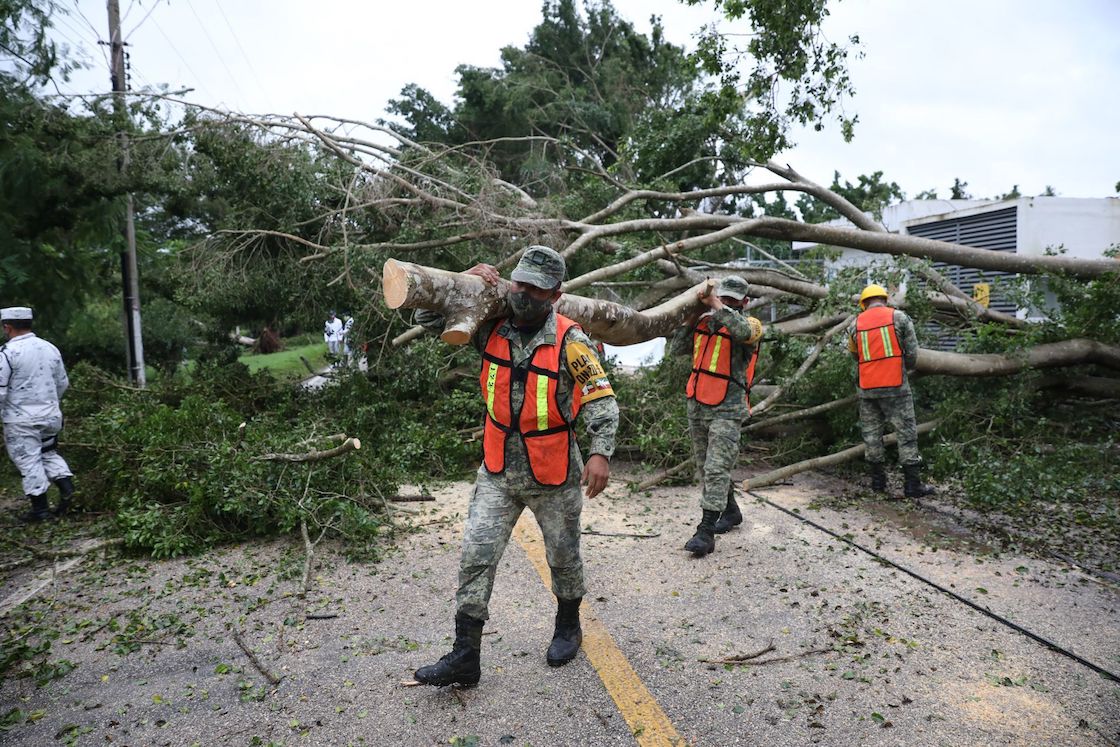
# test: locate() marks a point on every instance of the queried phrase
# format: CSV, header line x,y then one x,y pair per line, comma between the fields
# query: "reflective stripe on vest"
x,y
711,366
880,355
543,430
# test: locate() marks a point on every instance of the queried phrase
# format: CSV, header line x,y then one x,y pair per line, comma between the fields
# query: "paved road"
x,y
861,654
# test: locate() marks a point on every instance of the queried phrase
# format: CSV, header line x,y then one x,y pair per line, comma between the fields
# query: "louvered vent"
x,y
995,231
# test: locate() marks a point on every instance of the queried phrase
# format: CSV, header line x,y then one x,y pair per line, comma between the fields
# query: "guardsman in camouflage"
x,y
32,381
723,342
539,370
885,346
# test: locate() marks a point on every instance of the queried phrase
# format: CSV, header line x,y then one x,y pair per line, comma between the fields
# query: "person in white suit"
x,y
332,334
32,381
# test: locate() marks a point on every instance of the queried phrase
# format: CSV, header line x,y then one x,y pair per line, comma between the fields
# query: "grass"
x,y
286,364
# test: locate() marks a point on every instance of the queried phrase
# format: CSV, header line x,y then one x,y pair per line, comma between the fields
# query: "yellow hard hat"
x,y
872,291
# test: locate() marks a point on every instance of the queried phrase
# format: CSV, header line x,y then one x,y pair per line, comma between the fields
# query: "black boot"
x,y
913,487
567,636
40,509
66,491
878,477
461,665
704,541
731,516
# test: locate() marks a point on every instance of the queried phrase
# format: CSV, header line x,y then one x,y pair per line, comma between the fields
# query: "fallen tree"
x,y
829,460
1048,355
638,254
466,301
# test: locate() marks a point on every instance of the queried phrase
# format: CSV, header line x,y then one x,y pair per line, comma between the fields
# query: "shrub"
x,y
181,474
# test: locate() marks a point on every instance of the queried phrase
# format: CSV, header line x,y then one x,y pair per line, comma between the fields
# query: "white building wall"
x,y
1085,228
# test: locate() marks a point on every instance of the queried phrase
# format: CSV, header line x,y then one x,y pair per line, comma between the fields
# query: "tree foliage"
x,y
587,78
870,193
29,55
609,144
180,474
788,73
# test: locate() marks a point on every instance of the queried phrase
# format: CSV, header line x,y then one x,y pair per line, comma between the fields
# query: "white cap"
x,y
15,313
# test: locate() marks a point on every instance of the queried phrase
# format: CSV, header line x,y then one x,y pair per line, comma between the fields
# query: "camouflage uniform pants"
x,y
874,414
715,450
493,512
25,443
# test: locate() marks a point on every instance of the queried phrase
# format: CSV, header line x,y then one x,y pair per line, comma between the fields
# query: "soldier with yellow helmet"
x,y
883,342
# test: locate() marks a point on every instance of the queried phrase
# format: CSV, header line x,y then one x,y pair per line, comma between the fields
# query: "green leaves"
x,y
585,78
787,73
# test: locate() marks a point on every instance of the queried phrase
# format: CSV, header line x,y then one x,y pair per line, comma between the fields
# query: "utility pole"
x,y
130,278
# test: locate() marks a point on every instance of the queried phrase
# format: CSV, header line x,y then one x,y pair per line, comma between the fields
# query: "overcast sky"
x,y
995,92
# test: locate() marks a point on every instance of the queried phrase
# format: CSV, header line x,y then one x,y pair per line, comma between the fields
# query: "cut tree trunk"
x,y
465,302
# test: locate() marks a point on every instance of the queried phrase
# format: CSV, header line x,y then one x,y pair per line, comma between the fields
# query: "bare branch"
x,y
351,444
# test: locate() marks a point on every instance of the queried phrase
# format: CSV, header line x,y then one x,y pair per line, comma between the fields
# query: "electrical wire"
x,y
240,48
141,23
217,52
983,610
78,7
81,34
171,44
132,71
60,22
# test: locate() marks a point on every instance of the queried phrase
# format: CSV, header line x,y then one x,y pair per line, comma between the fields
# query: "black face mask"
x,y
528,310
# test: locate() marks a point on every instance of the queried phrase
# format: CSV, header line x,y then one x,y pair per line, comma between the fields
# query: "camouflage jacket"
x,y
599,409
734,405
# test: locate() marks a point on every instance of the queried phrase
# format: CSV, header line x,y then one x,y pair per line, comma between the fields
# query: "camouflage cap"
x,y
540,267
733,286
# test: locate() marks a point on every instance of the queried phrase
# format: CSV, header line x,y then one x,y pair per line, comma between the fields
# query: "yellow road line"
x,y
648,723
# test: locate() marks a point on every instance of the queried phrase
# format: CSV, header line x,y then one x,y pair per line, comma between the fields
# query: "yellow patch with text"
x,y
585,368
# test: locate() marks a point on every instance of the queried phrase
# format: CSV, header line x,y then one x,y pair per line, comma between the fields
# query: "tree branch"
x,y
351,444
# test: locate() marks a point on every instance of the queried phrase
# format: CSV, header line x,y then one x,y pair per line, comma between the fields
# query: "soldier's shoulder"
x,y
901,315
576,334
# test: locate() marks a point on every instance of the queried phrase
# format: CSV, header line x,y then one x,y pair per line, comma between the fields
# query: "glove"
x,y
757,330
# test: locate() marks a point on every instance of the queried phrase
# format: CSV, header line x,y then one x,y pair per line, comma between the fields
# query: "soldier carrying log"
x,y
539,371
723,342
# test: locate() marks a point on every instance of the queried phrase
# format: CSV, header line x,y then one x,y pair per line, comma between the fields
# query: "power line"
x,y
92,28
78,7
217,52
133,71
237,41
79,32
171,44
76,46
141,23
982,610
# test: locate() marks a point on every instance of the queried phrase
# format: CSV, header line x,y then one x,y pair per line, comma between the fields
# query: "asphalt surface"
x,y
858,653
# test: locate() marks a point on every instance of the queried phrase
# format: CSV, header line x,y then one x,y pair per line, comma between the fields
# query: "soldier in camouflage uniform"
x,y
520,468
723,343
885,346
32,381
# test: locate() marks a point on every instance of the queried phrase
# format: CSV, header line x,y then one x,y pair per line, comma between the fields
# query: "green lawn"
x,y
286,363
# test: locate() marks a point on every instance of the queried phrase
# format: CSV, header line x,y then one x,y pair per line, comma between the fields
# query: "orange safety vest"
x,y
544,430
877,349
711,365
